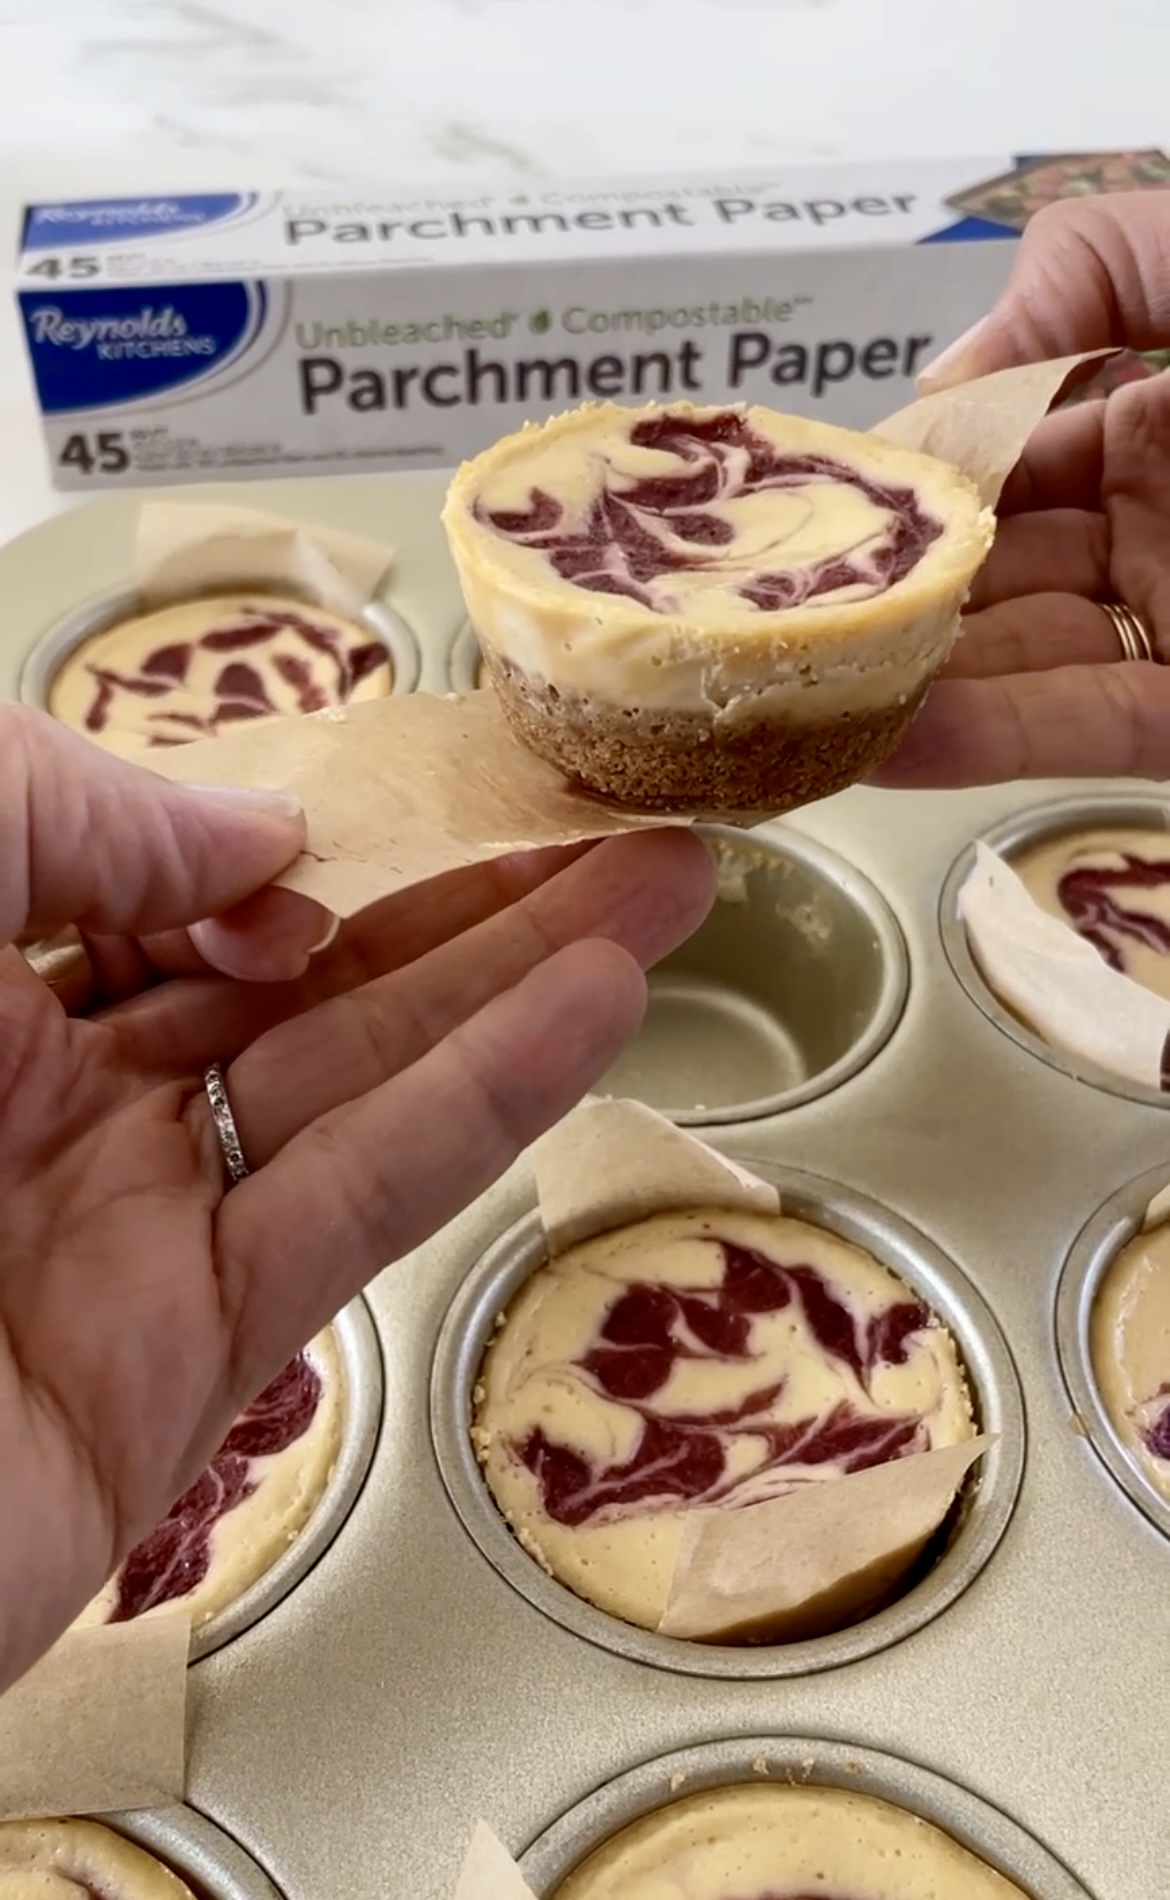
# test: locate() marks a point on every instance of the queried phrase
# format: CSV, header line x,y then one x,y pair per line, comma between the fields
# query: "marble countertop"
x,y
104,96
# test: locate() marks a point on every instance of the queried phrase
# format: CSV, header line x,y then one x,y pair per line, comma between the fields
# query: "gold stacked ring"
x,y
1132,632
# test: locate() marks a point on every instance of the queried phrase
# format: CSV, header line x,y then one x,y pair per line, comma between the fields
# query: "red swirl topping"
x,y
663,524
1157,1436
242,688
176,1556
651,1327
1086,896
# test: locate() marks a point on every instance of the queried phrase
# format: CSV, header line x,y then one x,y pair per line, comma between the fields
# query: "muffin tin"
x,y
423,1673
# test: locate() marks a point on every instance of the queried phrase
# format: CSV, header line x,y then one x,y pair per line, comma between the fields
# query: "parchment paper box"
x,y
248,333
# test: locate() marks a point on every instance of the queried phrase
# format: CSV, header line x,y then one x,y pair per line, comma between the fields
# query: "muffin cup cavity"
x,y
213,1865
955,1556
791,986
802,1761
56,646
1010,838
1085,1271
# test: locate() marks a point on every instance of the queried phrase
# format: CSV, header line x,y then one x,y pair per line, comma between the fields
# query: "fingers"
x,y
1089,273
189,1024
1062,463
645,893
379,1175
1074,722
92,840
1060,551
1135,490
1032,635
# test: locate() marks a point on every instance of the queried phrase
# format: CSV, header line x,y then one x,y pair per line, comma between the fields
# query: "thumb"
x,y
87,839
1089,273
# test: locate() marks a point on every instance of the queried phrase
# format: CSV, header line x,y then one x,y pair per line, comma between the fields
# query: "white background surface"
x,y
101,96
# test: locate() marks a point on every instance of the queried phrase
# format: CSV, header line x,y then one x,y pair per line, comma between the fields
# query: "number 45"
x,y
105,453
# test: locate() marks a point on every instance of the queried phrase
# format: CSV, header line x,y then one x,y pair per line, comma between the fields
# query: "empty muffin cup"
x,y
790,1813
791,985
130,676
1100,864
1113,1338
957,1550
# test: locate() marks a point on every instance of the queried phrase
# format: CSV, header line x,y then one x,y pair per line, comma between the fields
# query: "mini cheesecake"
x,y
196,670
704,1360
1130,1344
774,1842
718,611
80,1860
247,1507
1113,886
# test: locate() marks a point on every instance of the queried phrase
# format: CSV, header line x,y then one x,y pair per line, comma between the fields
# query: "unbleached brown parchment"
x,y
1056,981
99,1724
401,789
793,1567
188,548
488,1871
611,1163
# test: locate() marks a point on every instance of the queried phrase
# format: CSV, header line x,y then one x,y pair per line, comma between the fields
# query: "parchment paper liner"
x,y
489,1872
793,1567
398,790
99,1723
1057,982
186,549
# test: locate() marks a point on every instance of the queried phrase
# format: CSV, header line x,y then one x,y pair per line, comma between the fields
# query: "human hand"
x,y
1033,688
377,1089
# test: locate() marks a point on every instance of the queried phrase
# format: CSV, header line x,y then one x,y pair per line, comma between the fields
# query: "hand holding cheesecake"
x,y
1033,688
378,1086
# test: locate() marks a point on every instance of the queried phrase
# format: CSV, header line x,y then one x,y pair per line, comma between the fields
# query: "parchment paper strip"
x,y
1056,981
399,790
186,548
404,788
99,1723
982,427
805,1563
613,1162
489,1872
1158,1212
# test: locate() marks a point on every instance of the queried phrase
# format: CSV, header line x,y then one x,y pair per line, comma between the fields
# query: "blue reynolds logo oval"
x,y
91,349
112,220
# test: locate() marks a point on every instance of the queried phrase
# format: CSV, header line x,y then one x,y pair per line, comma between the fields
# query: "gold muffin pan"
x,y
425,1674
211,1863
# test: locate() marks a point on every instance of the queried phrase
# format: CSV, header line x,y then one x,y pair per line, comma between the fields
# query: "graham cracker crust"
x,y
683,764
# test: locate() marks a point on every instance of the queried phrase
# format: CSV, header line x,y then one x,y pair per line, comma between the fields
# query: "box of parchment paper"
x,y
248,333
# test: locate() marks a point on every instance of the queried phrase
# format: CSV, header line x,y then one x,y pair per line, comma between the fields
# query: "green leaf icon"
x,y
540,321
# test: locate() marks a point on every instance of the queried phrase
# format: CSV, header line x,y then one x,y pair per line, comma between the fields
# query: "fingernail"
x,y
334,926
254,797
949,365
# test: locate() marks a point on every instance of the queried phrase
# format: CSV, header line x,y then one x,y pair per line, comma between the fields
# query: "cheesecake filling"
x,y
741,523
1130,1344
246,1507
729,562
1113,887
80,1860
776,1842
708,1360
194,670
